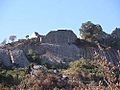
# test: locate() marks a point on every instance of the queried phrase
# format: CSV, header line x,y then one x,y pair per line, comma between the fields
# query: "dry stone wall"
x,y
60,37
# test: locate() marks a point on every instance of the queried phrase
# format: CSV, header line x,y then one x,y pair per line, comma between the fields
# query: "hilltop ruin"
x,y
63,46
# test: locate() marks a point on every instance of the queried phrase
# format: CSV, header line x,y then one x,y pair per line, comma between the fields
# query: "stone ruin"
x,y
60,46
60,37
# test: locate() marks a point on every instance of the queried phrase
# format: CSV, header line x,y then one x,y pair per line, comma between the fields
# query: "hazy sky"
x,y
22,17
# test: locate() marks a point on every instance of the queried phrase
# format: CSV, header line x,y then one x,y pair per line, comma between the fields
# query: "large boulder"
x,y
94,33
88,29
116,38
60,37
4,57
116,33
18,58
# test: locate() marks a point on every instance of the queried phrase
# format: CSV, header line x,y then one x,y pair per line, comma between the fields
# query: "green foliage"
x,y
30,51
33,56
27,36
7,79
10,77
77,63
19,71
88,66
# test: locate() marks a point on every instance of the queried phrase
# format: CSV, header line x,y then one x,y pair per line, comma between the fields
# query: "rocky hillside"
x,y
62,46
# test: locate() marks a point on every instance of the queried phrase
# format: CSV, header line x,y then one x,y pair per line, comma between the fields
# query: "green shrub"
x,y
77,63
33,56
11,77
85,65
6,79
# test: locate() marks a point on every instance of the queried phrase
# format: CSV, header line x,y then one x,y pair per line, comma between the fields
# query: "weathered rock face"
x,y
60,37
116,38
64,46
18,58
108,46
64,53
88,30
4,57
54,54
94,33
116,33
66,50
13,57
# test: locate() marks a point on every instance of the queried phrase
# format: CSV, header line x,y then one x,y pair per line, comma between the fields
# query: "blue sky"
x,y
22,17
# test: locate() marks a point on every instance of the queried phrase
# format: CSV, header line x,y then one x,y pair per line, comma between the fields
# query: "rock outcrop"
x,y
18,58
13,57
116,38
88,30
55,54
63,46
94,33
5,58
116,33
108,45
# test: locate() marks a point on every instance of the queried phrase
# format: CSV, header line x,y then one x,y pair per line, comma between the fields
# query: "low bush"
x,y
33,56
11,77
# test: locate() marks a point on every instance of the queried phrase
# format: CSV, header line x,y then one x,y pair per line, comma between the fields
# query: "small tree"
x,y
27,36
33,56
12,38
